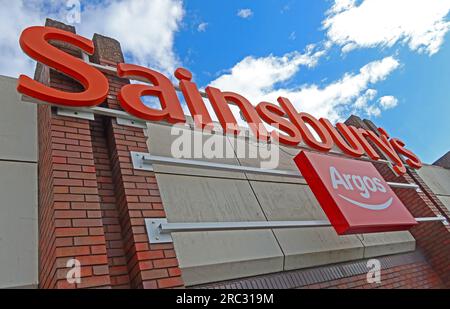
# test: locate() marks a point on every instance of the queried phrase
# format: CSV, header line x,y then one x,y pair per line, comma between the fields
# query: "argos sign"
x,y
353,194
294,127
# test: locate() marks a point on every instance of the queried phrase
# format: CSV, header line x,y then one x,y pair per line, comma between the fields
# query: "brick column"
x,y
70,224
92,203
136,192
433,238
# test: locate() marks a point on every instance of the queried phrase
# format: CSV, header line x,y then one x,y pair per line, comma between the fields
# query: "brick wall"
x,y
411,276
406,270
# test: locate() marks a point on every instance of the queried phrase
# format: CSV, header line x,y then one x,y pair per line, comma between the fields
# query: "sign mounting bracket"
x,y
159,230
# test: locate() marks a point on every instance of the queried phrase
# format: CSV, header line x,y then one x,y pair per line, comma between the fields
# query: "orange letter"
x,y
412,160
219,101
34,42
194,99
130,95
384,145
351,147
398,145
273,114
360,134
300,120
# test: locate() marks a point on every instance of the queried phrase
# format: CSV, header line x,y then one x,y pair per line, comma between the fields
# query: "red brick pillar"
x,y
92,203
70,224
433,238
136,192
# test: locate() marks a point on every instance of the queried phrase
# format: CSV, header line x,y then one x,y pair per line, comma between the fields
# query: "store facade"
x,y
91,195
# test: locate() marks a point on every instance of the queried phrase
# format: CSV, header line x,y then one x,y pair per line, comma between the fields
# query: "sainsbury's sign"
x,y
294,127
353,194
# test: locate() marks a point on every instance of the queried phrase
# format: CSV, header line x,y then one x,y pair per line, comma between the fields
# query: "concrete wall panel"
x,y
18,224
18,135
267,156
304,247
161,140
378,244
437,178
445,200
214,256
18,189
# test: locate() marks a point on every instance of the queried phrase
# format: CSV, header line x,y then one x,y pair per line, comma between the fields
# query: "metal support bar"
x,y
430,219
159,230
80,114
144,161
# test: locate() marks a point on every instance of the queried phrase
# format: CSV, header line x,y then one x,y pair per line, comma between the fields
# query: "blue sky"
x,y
388,61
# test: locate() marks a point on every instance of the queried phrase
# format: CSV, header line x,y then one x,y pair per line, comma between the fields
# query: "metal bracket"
x,y
137,158
154,231
131,123
75,113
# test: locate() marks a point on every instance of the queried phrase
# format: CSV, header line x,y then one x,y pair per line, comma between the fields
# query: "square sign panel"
x,y
353,194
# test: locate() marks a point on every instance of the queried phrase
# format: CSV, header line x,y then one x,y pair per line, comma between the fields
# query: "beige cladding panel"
x,y
445,200
18,224
267,156
437,178
172,141
214,256
197,199
304,247
18,189
18,135
378,244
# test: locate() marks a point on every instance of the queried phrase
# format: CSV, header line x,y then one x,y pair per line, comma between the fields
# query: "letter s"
x,y
413,160
34,42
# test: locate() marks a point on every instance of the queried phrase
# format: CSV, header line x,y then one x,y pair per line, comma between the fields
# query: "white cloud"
x,y
202,27
422,24
388,102
363,104
136,24
341,5
245,13
255,76
145,29
363,101
373,111
14,17
258,79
